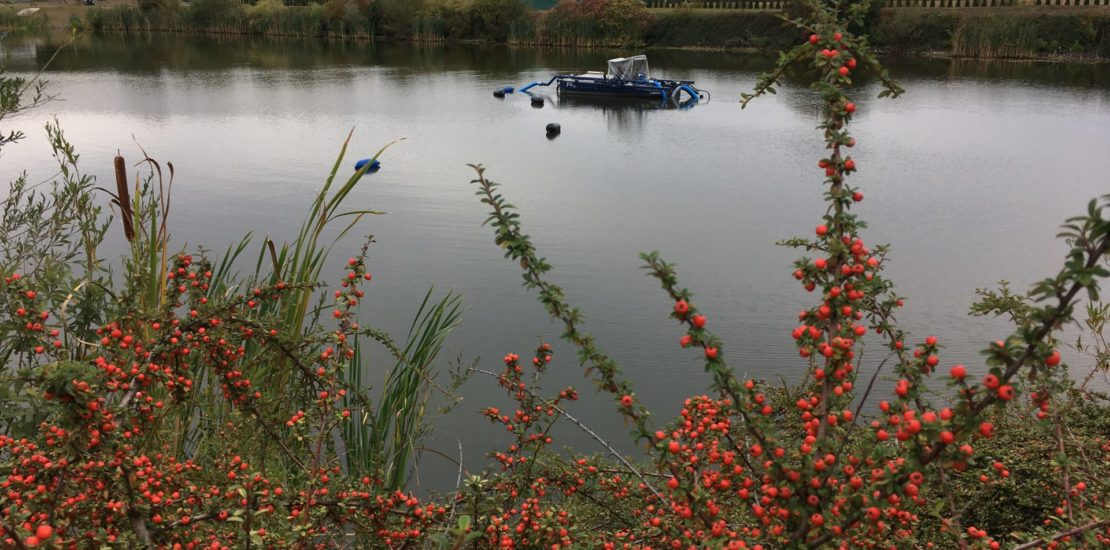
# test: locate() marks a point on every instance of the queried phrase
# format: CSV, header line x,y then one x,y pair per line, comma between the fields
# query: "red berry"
x,y
711,353
698,321
849,107
626,401
849,164
681,307
958,372
822,230
813,38
1053,359
1006,392
837,37
858,197
44,532
843,71
686,340
851,63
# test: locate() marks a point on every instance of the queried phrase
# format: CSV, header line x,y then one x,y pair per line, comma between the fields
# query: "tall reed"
x,y
308,21
994,37
382,441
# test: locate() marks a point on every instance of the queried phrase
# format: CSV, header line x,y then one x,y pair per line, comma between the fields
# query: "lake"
x,y
967,176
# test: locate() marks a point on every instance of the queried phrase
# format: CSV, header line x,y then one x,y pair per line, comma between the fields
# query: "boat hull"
x,y
643,89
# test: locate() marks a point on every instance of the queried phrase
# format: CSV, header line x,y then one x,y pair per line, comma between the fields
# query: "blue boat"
x,y
626,77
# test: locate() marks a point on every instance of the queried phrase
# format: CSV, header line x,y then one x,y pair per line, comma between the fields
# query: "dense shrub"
x,y
398,17
497,19
444,19
683,28
994,34
266,9
595,22
214,14
901,30
615,23
36,23
174,402
341,13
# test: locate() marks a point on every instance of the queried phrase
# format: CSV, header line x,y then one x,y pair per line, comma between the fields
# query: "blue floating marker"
x,y
373,167
507,89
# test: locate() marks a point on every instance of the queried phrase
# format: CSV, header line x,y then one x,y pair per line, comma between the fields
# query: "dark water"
x,y
967,176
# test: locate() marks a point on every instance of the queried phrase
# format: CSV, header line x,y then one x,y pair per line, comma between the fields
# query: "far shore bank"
x,y
1058,34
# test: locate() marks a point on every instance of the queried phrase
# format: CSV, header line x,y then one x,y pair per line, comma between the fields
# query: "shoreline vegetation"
x,y
1013,32
158,398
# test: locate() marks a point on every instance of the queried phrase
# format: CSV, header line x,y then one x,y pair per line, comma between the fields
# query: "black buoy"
x,y
500,94
537,102
553,130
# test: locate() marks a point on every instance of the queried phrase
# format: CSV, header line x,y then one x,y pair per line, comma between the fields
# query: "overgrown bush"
x,y
595,22
759,30
214,14
444,19
491,20
496,19
994,34
175,402
266,9
398,17
910,31
35,23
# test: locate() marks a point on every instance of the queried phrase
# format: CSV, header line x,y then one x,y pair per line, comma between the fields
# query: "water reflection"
x,y
624,115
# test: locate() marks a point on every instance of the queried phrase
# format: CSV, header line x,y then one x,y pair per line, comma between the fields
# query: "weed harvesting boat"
x,y
626,77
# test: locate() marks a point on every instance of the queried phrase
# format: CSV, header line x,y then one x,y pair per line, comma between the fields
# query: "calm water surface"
x,y
967,176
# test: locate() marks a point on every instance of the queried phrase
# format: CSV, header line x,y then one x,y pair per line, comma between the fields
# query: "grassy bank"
x,y
1017,33
37,23
997,33
268,17
1012,32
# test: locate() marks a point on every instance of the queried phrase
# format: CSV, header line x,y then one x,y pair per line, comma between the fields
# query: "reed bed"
x,y
577,23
